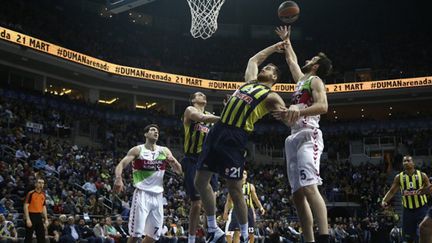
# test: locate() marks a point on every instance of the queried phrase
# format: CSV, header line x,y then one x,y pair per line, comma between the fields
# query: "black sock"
x,y
323,239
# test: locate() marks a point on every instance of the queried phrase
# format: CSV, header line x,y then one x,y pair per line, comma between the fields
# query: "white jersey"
x,y
149,168
302,97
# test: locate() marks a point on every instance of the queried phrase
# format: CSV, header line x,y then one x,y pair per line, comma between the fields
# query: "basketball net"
x,y
204,17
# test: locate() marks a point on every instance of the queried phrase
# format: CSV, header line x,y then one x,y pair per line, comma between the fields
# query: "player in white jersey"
x,y
304,146
148,168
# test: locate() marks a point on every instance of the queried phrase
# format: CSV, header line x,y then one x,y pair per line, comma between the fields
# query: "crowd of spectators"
x,y
120,41
79,178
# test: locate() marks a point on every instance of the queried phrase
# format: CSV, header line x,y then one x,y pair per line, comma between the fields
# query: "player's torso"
x,y
409,184
302,97
246,188
149,169
246,106
194,135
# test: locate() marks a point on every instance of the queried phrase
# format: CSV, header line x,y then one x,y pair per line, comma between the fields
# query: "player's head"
x,y
198,98
244,176
408,162
319,65
269,73
151,133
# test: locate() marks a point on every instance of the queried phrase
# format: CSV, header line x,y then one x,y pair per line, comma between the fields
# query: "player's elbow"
x,y
324,108
253,60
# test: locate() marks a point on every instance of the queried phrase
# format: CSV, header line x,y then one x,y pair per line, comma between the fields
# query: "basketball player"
x,y
196,124
224,148
232,227
149,161
409,182
304,146
426,224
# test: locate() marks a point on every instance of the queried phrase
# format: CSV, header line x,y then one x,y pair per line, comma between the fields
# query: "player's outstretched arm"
x,y
132,154
291,58
252,66
393,189
192,113
173,162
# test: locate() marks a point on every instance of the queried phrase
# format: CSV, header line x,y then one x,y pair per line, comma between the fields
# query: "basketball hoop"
x,y
204,17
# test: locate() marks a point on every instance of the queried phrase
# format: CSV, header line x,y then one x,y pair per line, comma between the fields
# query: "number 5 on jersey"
x,y
302,175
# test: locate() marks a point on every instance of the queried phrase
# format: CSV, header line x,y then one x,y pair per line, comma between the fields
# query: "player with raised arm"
x,y
225,146
149,162
304,146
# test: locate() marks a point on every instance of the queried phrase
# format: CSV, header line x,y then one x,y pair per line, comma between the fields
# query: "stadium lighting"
x,y
109,102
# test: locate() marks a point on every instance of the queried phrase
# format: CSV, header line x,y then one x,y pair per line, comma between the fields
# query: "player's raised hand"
x,y
283,32
280,46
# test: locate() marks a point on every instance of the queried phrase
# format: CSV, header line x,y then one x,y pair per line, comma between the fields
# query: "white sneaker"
x,y
217,236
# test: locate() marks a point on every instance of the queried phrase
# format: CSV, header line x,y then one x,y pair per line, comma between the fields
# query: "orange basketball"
x,y
288,12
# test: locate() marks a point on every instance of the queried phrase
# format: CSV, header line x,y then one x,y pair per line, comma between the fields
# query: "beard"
x,y
262,77
306,68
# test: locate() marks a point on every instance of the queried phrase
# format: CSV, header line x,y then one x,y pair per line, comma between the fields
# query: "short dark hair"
x,y
325,65
147,128
277,71
192,96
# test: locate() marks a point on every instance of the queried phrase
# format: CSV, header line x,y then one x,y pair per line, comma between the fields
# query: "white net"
x,y
204,17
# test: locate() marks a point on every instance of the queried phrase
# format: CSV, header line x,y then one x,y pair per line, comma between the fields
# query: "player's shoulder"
x,y
186,115
272,95
135,149
316,80
398,175
164,149
190,109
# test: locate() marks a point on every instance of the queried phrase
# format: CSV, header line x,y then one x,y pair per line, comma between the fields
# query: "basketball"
x,y
288,12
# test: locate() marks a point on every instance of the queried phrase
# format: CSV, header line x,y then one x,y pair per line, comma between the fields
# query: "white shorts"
x,y
146,215
303,152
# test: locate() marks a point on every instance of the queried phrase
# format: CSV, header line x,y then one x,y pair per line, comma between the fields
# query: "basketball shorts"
x,y
146,215
411,221
224,151
233,224
190,166
303,152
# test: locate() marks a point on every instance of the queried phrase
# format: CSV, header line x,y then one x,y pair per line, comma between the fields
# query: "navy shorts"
x,y
224,151
411,220
234,225
190,165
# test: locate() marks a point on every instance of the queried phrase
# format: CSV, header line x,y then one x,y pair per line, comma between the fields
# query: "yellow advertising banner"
x,y
73,56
